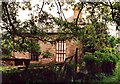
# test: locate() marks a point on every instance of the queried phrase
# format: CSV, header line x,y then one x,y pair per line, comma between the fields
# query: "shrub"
x,y
118,55
6,52
117,71
108,50
89,57
113,57
102,61
47,54
91,63
107,55
105,58
108,60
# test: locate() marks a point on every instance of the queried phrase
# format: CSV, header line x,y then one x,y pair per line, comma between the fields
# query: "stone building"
x,y
61,50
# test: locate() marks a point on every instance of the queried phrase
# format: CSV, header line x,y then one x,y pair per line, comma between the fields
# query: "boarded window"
x,y
60,51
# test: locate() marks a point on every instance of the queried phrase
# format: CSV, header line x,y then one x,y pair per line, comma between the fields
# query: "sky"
x,y
23,15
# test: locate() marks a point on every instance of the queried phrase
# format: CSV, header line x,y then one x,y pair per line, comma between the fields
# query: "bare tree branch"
x,y
61,10
8,15
14,30
111,9
58,9
79,13
42,7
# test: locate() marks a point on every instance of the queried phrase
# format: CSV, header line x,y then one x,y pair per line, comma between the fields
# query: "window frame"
x,y
60,51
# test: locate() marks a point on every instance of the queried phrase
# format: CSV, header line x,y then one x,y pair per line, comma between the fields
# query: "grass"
x,y
112,78
9,69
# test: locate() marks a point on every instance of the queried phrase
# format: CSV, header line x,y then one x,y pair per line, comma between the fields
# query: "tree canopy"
x,y
93,35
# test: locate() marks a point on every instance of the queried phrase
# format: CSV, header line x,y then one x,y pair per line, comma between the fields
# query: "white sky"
x,y
23,15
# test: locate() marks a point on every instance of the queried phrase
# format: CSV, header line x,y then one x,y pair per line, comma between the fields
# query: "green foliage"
x,y
6,52
108,50
116,13
113,57
117,70
9,70
6,44
19,33
106,58
100,61
93,35
19,44
100,56
107,55
115,78
46,54
100,64
118,55
111,41
34,46
89,58
95,38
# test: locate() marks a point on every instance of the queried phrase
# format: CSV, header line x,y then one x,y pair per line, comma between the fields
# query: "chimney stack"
x,y
76,11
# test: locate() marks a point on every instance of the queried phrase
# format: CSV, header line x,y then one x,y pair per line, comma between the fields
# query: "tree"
x,y
115,7
93,35
19,34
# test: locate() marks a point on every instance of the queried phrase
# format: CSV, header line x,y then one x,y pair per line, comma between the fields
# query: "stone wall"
x,y
70,50
21,55
47,47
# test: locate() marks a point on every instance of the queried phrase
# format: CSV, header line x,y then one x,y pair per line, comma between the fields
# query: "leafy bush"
x,y
107,55
108,50
6,52
105,58
89,57
118,55
101,56
26,45
113,57
102,61
9,70
47,54
92,64
117,70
